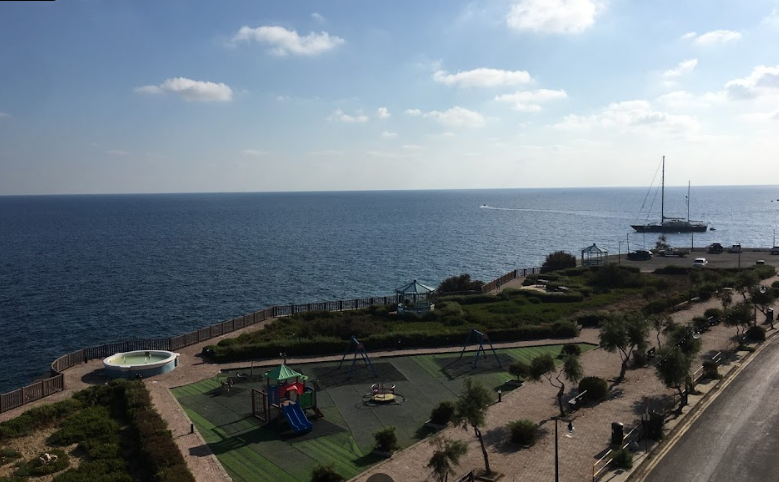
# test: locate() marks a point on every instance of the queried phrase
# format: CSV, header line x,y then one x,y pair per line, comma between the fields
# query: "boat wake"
x,y
555,211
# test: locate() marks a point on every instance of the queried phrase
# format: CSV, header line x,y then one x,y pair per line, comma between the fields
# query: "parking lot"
x,y
747,257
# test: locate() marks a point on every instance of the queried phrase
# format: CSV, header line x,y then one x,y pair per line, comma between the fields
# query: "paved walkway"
x,y
534,401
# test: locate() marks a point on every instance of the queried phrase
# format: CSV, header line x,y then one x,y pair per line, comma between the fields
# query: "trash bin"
x,y
617,433
769,314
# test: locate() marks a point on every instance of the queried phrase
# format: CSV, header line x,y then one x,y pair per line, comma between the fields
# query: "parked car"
x,y
775,250
673,252
700,263
715,248
640,255
736,248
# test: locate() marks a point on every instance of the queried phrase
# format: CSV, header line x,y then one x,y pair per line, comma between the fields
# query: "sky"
x,y
141,96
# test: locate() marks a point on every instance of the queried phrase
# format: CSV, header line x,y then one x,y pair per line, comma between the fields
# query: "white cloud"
x,y
457,117
383,113
326,152
413,112
682,99
529,101
713,37
632,116
254,152
389,135
763,81
554,16
319,18
339,115
483,77
761,116
3,114
772,18
191,90
684,67
411,147
117,152
284,42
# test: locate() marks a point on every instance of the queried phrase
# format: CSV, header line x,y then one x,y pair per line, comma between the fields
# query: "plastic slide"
x,y
296,418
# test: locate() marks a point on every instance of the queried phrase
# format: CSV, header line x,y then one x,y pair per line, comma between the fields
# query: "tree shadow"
x,y
655,403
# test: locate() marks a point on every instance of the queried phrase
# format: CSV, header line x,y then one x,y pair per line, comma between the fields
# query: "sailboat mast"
x,y
662,194
688,201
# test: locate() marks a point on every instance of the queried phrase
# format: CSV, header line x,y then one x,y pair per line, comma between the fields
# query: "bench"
x,y
650,353
578,400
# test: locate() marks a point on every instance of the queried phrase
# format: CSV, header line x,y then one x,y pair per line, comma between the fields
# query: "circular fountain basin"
x,y
145,363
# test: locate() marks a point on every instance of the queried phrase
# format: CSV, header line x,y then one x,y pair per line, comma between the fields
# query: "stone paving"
x,y
534,401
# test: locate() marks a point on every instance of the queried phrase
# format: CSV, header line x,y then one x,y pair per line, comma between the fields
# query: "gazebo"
x,y
414,298
594,256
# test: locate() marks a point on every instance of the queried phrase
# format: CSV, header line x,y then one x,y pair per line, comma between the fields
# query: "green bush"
x,y
442,413
386,440
756,333
326,473
558,260
93,424
712,313
522,432
591,320
114,470
711,370
673,270
705,292
622,459
565,329
38,417
570,349
520,370
455,284
656,307
597,388
8,455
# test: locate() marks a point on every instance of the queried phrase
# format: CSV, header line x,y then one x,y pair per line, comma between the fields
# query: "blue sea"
x,y
79,271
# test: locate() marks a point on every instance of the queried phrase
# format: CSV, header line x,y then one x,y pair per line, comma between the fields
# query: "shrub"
x,y
712,312
656,307
597,388
523,432
520,370
756,333
326,473
557,261
711,370
38,417
386,440
93,424
456,284
565,329
591,320
570,349
8,455
442,413
705,292
622,459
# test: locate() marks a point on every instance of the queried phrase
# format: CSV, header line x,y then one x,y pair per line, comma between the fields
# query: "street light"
x,y
556,459
619,252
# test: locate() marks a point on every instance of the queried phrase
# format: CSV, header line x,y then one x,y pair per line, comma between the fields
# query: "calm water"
x,y
79,271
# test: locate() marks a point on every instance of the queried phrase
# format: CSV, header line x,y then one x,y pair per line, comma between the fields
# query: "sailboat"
x,y
668,224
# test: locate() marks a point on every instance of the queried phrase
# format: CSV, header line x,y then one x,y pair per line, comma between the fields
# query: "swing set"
x,y
359,349
481,338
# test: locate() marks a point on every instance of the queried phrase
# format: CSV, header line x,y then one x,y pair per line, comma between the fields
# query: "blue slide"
x,y
296,418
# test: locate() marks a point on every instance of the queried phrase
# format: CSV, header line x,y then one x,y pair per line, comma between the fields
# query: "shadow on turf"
x,y
455,367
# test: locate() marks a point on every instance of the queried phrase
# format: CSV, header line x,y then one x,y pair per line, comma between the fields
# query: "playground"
x,y
277,423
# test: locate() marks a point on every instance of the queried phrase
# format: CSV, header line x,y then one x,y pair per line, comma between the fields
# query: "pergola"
x,y
594,256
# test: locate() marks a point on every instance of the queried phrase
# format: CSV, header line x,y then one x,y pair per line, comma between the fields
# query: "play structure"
x,y
359,349
286,397
481,338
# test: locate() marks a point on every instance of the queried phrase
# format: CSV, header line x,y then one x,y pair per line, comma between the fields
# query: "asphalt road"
x,y
736,439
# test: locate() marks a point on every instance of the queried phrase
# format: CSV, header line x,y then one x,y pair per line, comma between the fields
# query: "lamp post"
x,y
619,253
627,236
556,458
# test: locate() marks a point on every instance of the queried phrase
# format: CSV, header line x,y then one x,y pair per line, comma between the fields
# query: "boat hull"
x,y
662,228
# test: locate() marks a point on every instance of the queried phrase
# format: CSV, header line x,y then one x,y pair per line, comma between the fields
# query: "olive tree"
x,y
624,333
558,260
445,457
543,367
471,410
